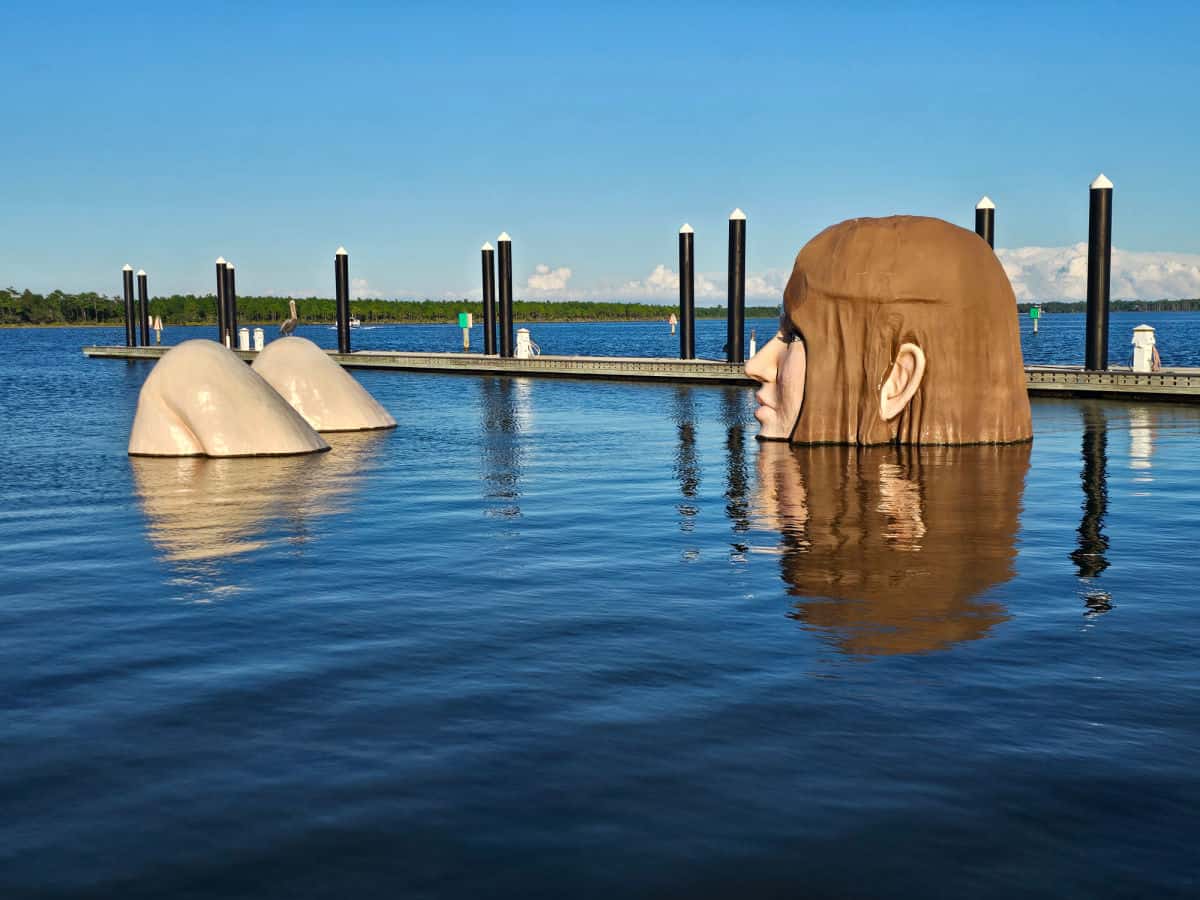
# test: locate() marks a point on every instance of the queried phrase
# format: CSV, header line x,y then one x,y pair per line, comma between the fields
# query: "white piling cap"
x,y
220,260
127,268
141,273
737,214
487,246
687,229
229,265
504,237
1101,183
985,203
341,251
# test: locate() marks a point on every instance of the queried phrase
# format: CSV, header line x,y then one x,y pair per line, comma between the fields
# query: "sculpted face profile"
x,y
895,330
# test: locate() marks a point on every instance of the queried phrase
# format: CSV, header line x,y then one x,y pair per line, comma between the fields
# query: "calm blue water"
x,y
1059,338
555,638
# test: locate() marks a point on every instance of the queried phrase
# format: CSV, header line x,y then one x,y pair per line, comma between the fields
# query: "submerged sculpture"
x,y
892,550
896,330
328,396
202,400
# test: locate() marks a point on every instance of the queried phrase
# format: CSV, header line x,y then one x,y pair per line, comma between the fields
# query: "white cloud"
x,y
1060,273
663,282
361,290
546,279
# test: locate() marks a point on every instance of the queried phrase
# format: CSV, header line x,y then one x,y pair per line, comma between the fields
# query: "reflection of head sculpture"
x,y
901,329
201,400
888,548
329,397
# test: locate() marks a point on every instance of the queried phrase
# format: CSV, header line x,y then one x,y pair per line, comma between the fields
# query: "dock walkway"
x,y
1176,385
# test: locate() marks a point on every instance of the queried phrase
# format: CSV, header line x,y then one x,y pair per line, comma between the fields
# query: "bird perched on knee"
x,y
289,325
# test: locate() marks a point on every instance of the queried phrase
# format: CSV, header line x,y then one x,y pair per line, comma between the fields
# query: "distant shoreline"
x,y
25,309
275,325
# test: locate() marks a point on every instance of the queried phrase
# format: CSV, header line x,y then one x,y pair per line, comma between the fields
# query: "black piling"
x,y
985,220
489,299
231,316
1099,270
504,260
130,315
736,315
341,279
687,293
143,309
221,299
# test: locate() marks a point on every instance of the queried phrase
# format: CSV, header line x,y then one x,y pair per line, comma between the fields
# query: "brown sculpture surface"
x,y
891,550
895,330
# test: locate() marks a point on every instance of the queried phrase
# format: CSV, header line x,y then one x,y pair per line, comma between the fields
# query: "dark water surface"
x,y
555,638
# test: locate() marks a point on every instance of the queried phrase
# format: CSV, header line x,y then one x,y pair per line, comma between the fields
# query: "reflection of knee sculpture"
x,y
901,329
201,400
328,396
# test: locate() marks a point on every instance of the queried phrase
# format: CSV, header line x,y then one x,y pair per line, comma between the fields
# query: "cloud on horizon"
x,y
360,289
1060,273
1036,273
545,278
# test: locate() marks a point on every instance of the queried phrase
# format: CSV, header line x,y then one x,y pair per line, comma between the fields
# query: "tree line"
x,y
90,308
1078,306
60,308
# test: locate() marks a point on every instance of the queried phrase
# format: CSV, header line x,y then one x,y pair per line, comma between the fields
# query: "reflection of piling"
x,y
736,321
489,299
220,299
143,309
341,284
231,316
737,503
985,220
501,446
1099,269
130,315
687,293
1093,544
504,260
687,461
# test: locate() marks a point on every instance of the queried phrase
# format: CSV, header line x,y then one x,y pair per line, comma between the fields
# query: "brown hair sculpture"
x,y
909,335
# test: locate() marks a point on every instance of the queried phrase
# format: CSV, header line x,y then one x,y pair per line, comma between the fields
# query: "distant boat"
x,y
355,322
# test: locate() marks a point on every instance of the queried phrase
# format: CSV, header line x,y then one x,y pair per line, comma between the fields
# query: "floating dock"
x,y
1175,385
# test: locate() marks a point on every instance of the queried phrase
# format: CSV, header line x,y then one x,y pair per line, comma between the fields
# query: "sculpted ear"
x,y
902,382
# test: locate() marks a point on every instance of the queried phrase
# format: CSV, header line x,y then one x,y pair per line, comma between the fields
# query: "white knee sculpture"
x,y
322,391
201,400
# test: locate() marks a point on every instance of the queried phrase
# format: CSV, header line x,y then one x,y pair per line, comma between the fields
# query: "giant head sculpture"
x,y
896,330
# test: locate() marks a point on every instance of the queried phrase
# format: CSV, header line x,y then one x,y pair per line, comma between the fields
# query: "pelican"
x,y
289,325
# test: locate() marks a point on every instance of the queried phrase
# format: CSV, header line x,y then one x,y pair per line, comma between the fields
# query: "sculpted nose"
x,y
761,366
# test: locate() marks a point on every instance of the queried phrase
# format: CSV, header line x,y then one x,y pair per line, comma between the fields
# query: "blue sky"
x,y
412,135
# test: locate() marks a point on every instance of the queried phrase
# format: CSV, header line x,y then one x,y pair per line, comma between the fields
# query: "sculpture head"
x,y
901,329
